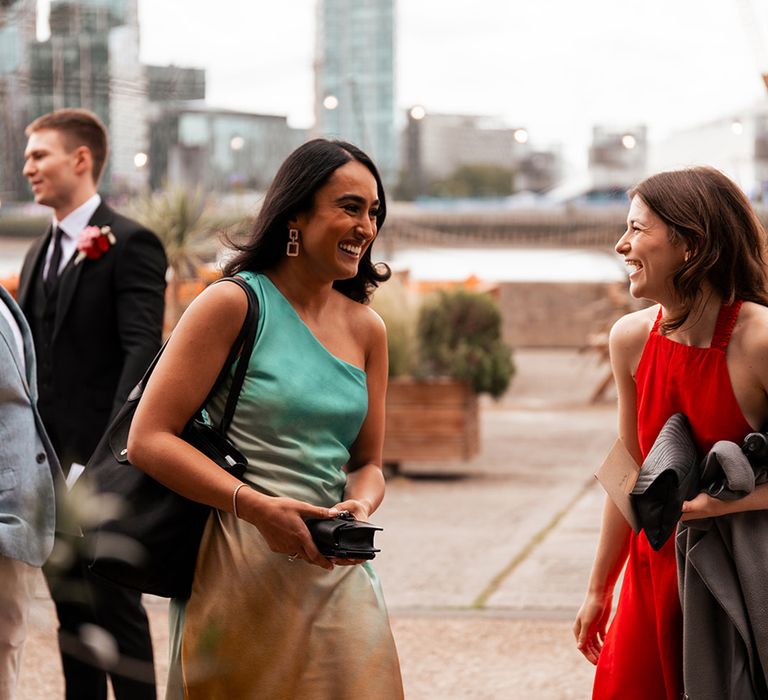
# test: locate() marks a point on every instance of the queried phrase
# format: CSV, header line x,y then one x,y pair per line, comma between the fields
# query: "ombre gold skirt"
x,y
260,626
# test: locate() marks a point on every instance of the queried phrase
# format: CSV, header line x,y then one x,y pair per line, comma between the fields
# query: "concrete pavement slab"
x,y
554,576
463,657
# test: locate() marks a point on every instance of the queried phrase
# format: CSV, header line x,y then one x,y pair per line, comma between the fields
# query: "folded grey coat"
x,y
722,565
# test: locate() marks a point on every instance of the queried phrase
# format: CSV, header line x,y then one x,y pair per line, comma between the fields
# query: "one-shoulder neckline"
x,y
309,330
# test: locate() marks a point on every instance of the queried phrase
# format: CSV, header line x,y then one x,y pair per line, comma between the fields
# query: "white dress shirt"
x,y
71,227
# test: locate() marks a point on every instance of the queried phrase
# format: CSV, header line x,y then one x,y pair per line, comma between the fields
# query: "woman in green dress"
x,y
269,616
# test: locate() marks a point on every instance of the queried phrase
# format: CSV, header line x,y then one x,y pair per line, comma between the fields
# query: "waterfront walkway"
x,y
483,564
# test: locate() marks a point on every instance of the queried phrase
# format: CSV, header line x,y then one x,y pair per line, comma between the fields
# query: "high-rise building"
x,y
175,83
17,32
355,77
91,60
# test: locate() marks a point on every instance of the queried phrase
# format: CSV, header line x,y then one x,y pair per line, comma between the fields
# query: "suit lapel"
x,y
70,275
7,335
36,256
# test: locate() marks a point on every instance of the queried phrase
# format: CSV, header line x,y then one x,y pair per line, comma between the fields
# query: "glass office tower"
x,y
355,77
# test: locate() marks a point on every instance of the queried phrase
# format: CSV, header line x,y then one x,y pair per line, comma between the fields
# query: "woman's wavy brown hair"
x,y
727,243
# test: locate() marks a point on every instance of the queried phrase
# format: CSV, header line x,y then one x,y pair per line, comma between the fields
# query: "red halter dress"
x,y
642,655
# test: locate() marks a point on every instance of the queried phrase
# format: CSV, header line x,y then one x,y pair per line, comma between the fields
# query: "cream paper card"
x,y
617,475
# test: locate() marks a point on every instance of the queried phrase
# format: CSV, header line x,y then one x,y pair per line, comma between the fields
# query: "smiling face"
x,y
341,225
650,254
56,173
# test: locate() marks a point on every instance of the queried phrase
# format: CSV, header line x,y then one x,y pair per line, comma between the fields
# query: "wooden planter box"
x,y
430,420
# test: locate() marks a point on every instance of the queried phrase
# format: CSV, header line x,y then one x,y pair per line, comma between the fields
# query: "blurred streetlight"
x,y
237,178
628,141
418,112
737,127
520,135
140,160
331,102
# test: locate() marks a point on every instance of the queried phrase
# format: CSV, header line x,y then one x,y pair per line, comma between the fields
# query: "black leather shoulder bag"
x,y
152,544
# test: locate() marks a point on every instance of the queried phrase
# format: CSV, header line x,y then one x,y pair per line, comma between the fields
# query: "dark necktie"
x,y
53,267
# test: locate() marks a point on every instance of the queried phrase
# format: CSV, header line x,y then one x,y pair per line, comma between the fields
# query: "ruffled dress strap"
x,y
726,320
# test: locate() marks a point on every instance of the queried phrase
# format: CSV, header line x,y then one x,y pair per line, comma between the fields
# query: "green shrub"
x,y
459,334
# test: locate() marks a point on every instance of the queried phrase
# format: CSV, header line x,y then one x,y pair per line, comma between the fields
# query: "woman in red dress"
x,y
696,248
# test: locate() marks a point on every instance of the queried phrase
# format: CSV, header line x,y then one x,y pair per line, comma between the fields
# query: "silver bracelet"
x,y
234,499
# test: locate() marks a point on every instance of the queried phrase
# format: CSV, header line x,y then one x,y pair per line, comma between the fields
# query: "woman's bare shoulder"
x,y
751,329
627,341
359,313
632,329
364,323
220,308
752,312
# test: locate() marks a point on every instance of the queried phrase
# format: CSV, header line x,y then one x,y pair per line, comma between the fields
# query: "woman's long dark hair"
x,y
292,192
727,243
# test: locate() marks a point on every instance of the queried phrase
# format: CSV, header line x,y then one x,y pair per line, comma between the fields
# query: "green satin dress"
x,y
258,625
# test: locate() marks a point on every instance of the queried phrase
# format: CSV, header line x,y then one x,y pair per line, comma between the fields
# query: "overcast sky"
x,y
555,67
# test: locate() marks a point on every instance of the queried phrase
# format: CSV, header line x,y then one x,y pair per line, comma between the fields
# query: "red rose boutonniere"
x,y
94,242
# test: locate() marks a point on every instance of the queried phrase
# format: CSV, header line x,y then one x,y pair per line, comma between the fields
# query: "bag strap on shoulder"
x,y
242,348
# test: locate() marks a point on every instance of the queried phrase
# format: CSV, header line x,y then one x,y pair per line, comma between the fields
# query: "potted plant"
x,y
442,356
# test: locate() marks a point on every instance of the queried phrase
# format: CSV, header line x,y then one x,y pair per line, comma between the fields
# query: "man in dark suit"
x,y
93,291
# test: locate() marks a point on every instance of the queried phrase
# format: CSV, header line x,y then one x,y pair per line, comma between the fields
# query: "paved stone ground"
x,y
484,563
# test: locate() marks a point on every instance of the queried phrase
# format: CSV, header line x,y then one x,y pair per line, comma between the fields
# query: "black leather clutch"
x,y
668,476
343,537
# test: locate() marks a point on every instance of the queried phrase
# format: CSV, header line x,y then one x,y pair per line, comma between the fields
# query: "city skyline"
x,y
556,68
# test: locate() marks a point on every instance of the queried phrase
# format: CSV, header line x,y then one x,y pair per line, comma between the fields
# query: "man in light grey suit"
x,y
29,477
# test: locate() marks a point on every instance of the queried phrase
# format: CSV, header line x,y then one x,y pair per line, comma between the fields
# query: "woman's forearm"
x,y
756,500
183,469
366,484
705,506
612,550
